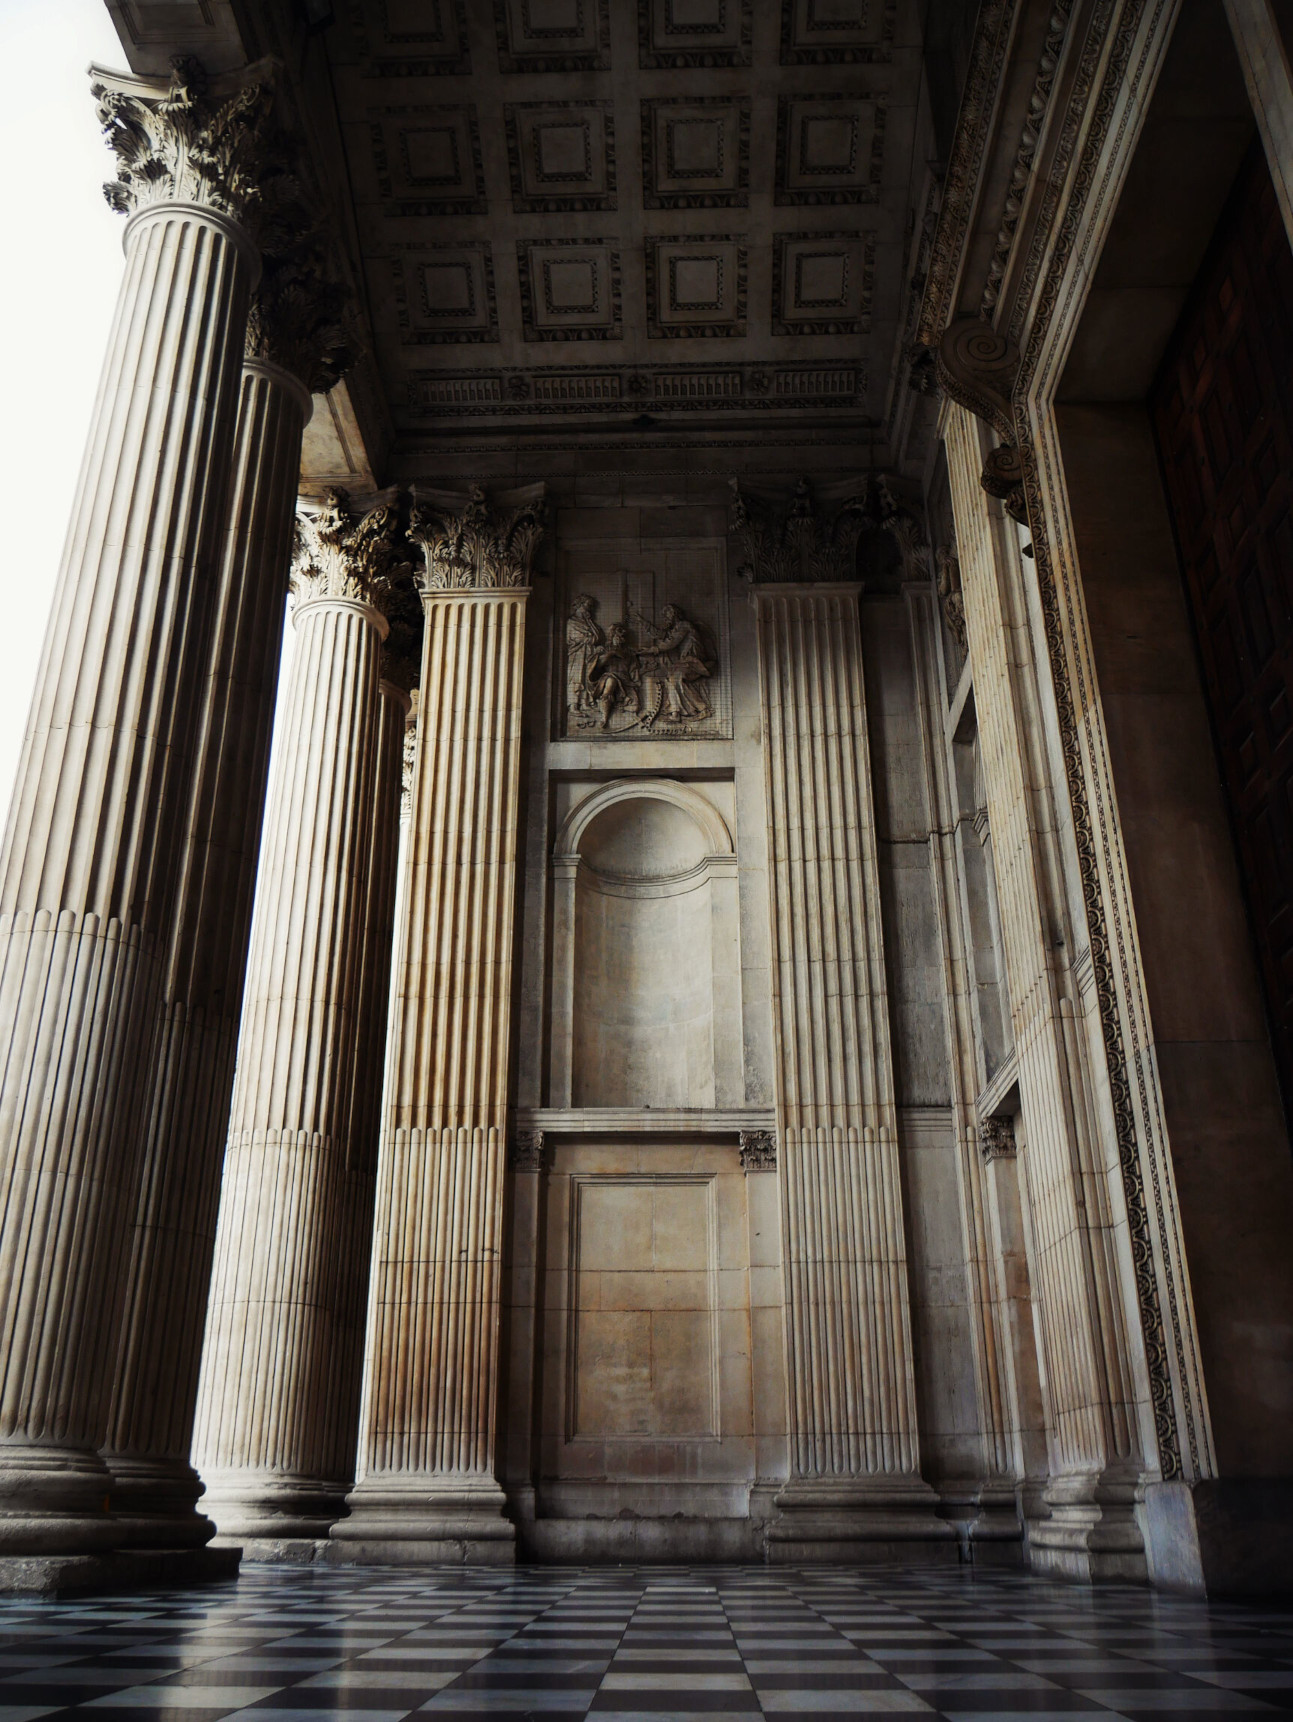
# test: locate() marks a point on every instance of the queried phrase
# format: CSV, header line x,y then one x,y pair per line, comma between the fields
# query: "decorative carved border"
x,y
591,60
806,197
683,331
415,65
969,152
545,390
1147,1184
784,324
560,202
612,331
737,198
697,59
864,54
412,337
428,203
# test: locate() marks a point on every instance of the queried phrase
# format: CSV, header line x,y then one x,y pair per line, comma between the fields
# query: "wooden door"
x,y
1223,415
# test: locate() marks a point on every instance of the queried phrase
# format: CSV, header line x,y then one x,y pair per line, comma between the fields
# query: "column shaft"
x,y
93,853
154,1487
427,1488
273,1442
854,1452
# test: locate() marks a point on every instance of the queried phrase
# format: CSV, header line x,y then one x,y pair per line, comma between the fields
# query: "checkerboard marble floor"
x,y
713,1644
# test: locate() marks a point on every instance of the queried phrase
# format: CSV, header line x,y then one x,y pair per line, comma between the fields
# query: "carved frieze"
x,y
758,1150
686,388
344,550
477,543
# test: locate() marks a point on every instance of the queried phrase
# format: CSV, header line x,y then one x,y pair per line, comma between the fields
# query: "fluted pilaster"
x,y
154,1487
427,1488
274,1437
94,847
855,1468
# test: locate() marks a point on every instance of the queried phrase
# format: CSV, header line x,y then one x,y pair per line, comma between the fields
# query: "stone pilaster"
x,y
1080,1318
854,1453
855,1460
295,346
427,1488
274,1438
94,851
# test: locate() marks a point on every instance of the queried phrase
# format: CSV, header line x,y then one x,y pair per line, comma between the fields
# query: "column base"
x,y
425,1520
284,1551
54,1501
1223,1536
1091,1532
870,1520
154,1503
128,1569
986,1519
271,1506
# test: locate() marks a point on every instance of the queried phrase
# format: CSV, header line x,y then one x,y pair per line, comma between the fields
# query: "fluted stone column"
x,y
94,848
855,1488
274,1439
295,347
427,1489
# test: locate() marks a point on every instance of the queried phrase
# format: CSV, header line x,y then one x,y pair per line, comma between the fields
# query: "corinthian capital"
x,y
190,140
476,543
343,551
299,317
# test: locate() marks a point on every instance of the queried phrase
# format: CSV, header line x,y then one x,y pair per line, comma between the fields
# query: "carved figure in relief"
x,y
584,639
676,668
613,673
616,682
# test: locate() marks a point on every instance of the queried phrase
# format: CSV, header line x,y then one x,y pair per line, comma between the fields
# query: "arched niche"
x,y
646,969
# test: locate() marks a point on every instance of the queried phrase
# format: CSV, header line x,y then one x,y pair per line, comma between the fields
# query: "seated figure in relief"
x,y
612,674
676,668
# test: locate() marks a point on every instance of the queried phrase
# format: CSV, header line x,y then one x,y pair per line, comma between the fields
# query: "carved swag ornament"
x,y
639,675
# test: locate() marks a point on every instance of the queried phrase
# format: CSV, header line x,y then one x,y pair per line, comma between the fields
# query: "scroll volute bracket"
x,y
977,368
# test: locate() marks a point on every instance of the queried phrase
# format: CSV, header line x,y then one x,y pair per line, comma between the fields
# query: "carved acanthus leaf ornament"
x,y
177,142
343,551
814,536
476,543
299,316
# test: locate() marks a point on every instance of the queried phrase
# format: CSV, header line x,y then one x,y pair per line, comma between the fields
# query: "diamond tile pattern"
x,y
642,1645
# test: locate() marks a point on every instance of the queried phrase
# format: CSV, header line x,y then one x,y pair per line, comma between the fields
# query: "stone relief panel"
x,y
561,155
427,159
570,290
693,33
829,149
445,295
553,35
695,153
822,283
644,647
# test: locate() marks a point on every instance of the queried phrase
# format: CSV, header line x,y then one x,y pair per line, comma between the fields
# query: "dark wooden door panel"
x,y
1223,413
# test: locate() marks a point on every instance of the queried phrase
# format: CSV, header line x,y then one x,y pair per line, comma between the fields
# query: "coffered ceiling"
x,y
603,216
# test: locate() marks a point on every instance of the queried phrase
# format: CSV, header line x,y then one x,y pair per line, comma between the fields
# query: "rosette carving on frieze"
x,y
348,550
478,543
195,140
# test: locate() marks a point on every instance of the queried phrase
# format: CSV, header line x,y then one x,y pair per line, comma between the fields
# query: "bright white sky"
x,y
58,284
